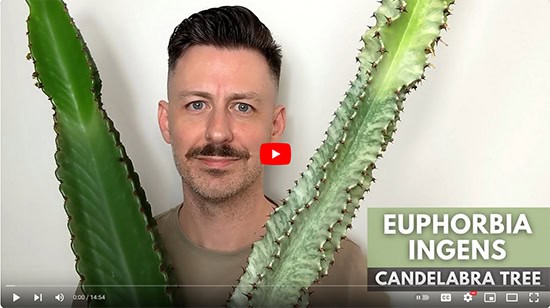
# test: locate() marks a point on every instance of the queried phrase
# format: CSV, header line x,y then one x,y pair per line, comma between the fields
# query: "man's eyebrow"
x,y
233,96
245,95
186,93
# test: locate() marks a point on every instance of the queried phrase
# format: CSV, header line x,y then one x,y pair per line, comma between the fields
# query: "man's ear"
x,y
279,123
162,116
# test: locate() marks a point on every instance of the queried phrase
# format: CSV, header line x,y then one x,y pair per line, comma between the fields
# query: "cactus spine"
x,y
306,231
113,233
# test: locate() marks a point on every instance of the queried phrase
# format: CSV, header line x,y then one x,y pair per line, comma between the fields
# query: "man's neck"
x,y
230,225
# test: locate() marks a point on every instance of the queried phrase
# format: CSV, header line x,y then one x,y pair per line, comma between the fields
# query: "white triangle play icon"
x,y
15,297
274,154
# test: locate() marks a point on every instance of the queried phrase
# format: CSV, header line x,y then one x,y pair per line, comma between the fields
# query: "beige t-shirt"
x,y
207,276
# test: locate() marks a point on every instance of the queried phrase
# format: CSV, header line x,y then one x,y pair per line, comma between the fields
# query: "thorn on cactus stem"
x,y
438,39
388,21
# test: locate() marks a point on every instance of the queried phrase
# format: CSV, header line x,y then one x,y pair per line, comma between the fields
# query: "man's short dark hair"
x,y
229,27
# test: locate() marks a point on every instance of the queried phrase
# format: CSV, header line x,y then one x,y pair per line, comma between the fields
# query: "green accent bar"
x,y
494,250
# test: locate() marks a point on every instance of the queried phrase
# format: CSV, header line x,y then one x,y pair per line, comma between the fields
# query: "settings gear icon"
x,y
468,297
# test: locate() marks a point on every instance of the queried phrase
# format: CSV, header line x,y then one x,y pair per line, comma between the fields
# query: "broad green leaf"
x,y
114,237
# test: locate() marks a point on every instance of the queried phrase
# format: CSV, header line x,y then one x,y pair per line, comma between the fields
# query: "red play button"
x,y
275,153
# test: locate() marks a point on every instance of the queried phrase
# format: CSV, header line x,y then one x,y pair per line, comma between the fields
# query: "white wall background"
x,y
476,134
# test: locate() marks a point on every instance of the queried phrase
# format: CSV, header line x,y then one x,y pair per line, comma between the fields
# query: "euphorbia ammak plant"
x,y
113,233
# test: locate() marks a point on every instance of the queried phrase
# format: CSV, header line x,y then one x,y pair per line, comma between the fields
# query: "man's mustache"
x,y
221,150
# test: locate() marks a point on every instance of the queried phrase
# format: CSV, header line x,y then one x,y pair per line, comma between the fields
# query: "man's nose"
x,y
218,128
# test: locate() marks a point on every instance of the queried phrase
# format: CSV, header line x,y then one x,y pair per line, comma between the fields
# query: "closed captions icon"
x,y
446,297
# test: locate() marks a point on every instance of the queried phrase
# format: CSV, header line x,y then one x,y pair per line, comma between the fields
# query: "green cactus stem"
x,y
113,233
304,233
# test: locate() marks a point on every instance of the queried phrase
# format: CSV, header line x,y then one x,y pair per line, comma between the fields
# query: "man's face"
x,y
221,109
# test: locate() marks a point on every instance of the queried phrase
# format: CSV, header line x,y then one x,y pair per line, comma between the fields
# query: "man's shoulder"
x,y
350,264
350,248
168,228
165,217
167,213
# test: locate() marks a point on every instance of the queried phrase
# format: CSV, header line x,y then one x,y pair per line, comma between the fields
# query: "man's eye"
x,y
198,105
242,107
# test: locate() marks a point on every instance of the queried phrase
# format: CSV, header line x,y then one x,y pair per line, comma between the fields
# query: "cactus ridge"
x,y
304,233
113,233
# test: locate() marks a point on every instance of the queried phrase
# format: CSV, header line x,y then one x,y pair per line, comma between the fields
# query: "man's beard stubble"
x,y
202,185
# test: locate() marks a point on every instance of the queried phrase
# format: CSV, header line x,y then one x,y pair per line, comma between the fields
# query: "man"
x,y
223,79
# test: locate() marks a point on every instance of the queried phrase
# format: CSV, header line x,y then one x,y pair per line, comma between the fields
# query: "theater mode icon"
x,y
275,153
512,297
